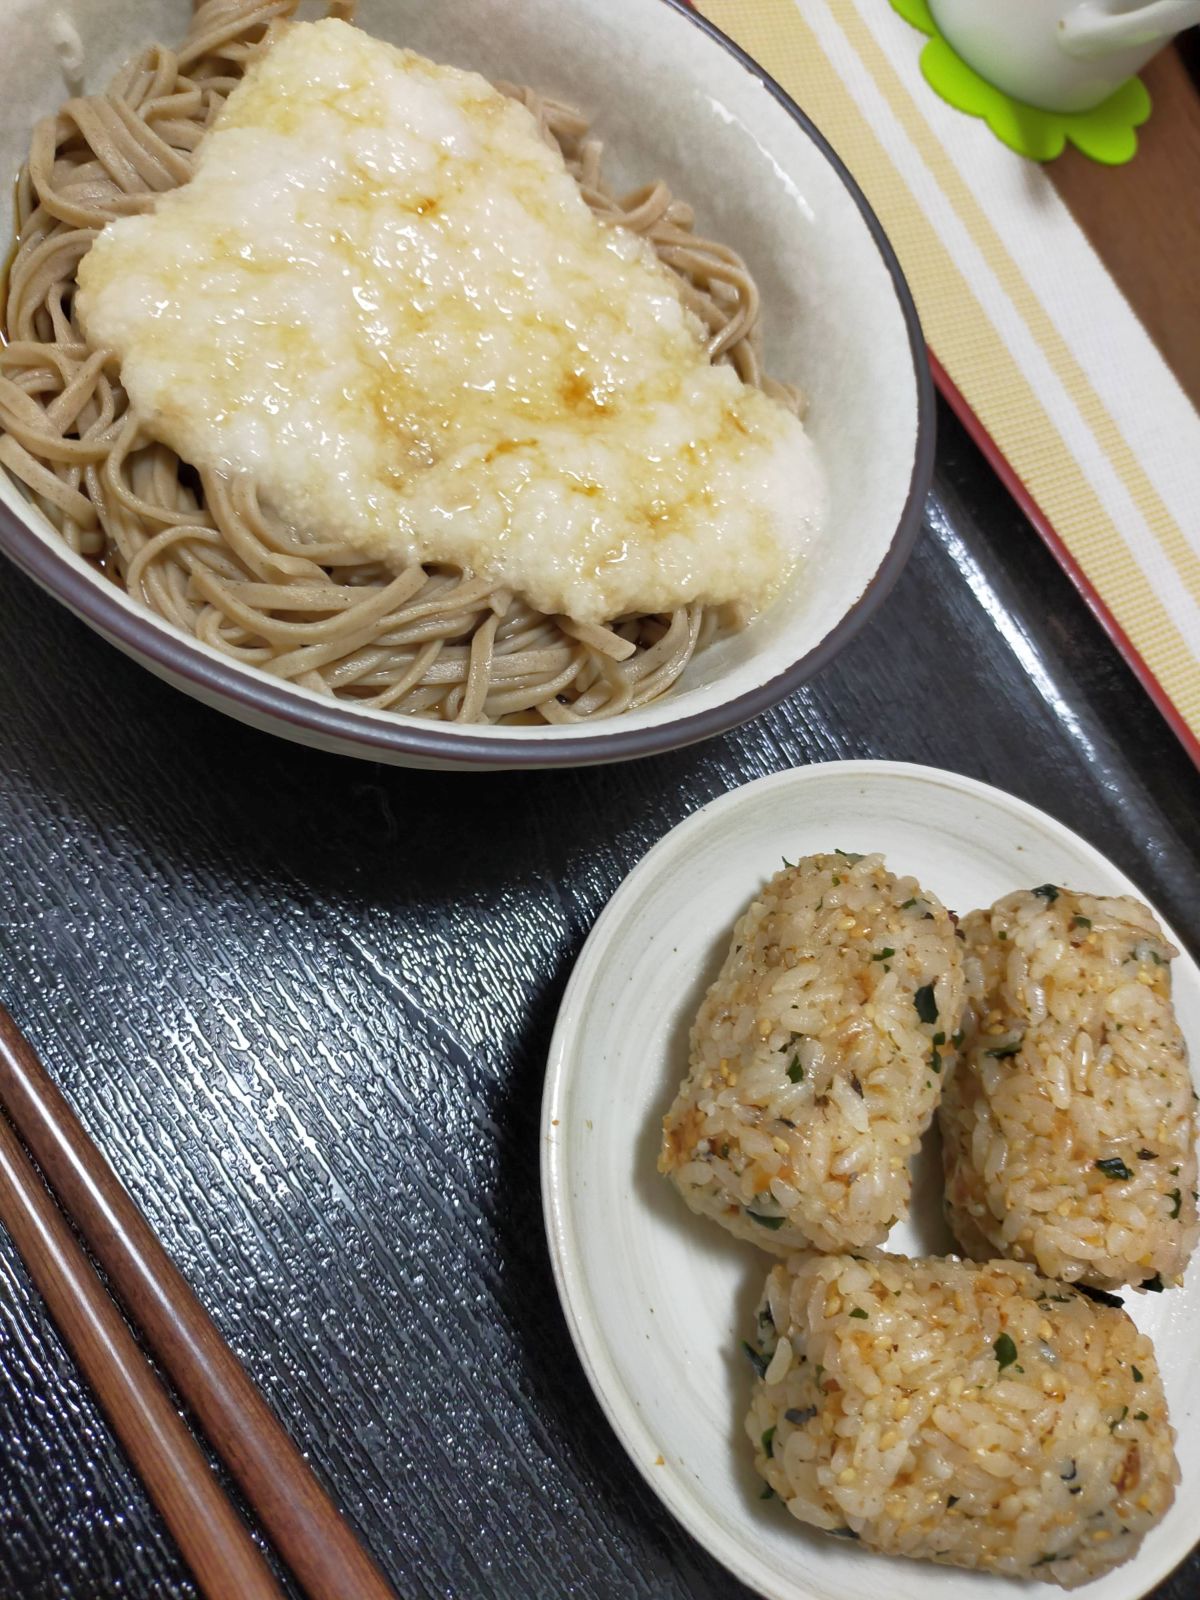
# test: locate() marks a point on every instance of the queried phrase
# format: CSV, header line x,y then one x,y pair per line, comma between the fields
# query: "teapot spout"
x,y
1092,30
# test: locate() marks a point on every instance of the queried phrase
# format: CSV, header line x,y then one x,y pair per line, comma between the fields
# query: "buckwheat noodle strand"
x,y
197,547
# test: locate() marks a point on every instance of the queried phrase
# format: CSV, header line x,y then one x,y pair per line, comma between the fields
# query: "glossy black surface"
x,y
304,1005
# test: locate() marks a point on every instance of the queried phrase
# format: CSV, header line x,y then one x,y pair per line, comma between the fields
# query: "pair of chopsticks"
x,y
297,1516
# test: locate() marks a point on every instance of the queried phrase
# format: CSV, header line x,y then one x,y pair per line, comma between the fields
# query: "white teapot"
x,y
1061,55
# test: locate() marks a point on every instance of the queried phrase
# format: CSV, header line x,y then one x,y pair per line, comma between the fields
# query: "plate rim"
x,y
570,1282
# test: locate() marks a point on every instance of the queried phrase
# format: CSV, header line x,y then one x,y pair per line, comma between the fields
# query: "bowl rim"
x,y
158,645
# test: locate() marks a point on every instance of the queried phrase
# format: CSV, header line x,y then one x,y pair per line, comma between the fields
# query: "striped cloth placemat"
x,y
1032,335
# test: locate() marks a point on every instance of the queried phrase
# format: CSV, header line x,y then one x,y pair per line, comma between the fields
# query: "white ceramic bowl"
x,y
673,98
657,1299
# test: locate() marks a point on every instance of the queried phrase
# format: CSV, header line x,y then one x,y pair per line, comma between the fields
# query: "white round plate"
x,y
658,1300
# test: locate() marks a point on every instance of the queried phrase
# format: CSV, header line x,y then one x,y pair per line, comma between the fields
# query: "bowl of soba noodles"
x,y
467,385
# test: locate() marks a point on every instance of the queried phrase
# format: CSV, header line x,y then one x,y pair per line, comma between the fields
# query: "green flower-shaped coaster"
x,y
1105,134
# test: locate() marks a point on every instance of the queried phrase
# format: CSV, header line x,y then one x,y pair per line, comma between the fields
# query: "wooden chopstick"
x,y
297,1515
214,1540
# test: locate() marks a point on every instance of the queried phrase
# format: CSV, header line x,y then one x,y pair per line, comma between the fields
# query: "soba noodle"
x,y
196,546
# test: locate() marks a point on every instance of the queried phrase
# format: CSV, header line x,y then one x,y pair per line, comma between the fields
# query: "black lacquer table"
x,y
304,1004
